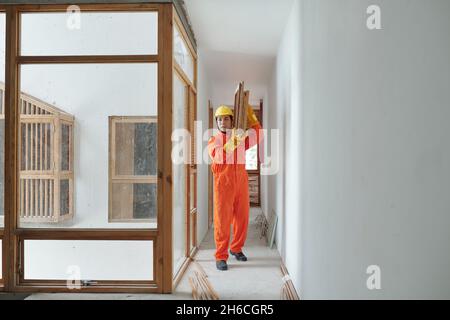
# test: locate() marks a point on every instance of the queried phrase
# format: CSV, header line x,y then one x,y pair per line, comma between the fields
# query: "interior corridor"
x,y
259,278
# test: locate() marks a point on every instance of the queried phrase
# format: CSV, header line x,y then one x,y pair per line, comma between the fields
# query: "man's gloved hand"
x,y
234,141
251,117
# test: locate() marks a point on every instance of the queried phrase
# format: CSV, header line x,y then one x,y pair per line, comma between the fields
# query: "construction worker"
x,y
231,199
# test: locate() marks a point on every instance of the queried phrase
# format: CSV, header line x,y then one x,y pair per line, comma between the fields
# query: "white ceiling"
x,y
238,41
241,26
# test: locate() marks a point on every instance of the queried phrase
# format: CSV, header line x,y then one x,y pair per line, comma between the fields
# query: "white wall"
x,y
284,190
366,112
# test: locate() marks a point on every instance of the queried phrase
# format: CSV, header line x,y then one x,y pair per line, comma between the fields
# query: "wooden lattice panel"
x,y
45,160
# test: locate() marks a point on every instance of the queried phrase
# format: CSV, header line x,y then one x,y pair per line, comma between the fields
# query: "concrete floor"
x,y
260,278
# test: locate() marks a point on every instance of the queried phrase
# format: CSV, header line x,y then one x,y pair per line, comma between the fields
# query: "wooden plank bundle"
x,y
288,291
241,99
201,287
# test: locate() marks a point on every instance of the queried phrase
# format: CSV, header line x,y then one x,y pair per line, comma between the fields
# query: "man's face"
x,y
224,123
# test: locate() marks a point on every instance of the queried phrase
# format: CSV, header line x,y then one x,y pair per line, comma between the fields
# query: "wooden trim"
x,y
210,176
114,7
165,105
187,221
125,288
181,272
25,118
102,283
11,146
194,214
134,179
180,72
87,234
194,252
134,119
88,59
261,115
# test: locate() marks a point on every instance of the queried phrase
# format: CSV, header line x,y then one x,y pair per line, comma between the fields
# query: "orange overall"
x,y
231,199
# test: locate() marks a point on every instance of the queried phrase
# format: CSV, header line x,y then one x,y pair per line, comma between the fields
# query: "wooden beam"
x,y
88,59
87,234
11,146
165,105
183,76
116,7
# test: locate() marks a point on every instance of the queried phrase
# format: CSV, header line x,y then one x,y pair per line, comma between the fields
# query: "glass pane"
x,y
66,132
2,171
134,201
88,260
89,33
64,193
179,180
136,152
251,158
2,117
83,97
182,54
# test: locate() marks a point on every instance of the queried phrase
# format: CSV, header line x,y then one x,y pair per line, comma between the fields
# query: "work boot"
x,y
221,265
239,256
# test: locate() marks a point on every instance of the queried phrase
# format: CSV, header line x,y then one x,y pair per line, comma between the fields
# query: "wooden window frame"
x,y
14,236
191,242
113,178
2,232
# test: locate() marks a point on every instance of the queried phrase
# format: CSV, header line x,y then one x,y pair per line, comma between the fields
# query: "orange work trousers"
x,y
231,195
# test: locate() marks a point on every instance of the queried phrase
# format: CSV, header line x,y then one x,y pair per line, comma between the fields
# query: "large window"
x,y
89,111
88,148
88,189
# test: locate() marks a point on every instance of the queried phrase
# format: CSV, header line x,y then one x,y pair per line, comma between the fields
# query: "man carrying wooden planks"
x,y
231,198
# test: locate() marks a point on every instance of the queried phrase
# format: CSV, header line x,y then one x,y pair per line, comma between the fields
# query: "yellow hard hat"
x,y
224,111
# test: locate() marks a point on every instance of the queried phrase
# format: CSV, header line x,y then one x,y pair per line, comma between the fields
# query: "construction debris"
x,y
288,291
201,287
261,223
199,268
